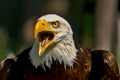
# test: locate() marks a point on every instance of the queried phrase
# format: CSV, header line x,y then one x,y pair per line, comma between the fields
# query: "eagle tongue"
x,y
45,41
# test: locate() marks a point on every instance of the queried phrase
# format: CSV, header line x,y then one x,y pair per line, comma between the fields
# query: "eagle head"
x,y
53,41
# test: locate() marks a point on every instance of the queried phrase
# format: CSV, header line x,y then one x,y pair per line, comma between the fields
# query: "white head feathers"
x,y
62,49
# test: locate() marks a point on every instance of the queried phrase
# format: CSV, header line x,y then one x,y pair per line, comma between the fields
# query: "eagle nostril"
x,y
43,24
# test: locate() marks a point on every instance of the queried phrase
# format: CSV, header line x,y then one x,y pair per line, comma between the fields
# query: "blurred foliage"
x,y
4,46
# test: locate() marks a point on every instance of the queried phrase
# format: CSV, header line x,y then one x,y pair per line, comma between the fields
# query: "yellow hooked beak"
x,y
45,34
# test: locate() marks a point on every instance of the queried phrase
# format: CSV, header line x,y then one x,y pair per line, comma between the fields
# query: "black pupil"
x,y
55,24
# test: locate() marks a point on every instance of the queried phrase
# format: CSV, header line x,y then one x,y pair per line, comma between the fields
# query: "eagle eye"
x,y
55,24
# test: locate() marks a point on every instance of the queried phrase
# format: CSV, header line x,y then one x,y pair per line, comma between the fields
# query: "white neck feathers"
x,y
63,51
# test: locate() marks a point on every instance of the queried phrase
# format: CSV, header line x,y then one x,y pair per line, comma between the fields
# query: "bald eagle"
x,y
54,56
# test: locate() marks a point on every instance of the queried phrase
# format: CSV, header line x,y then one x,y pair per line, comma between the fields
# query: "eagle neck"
x,y
64,52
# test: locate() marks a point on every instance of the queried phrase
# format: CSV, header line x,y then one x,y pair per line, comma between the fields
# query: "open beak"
x,y
45,35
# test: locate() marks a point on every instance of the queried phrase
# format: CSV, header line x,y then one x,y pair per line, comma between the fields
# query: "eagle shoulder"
x,y
6,67
104,64
82,64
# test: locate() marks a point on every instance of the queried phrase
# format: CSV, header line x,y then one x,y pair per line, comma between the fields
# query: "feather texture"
x,y
88,65
61,60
